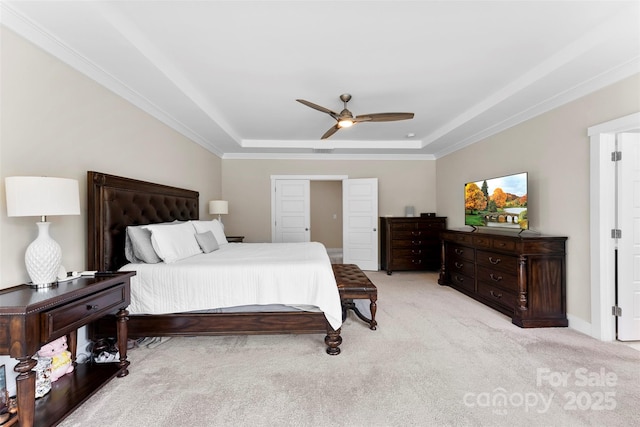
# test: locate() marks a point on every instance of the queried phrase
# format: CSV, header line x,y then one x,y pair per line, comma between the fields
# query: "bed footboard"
x,y
211,324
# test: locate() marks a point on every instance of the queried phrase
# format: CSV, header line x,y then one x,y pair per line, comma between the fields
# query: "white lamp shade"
x,y
219,207
42,196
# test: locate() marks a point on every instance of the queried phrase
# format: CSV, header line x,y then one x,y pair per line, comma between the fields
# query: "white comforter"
x,y
238,274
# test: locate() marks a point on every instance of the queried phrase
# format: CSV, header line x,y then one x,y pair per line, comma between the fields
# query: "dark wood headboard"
x,y
115,202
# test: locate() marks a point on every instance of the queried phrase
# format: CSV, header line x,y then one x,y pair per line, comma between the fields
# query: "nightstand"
x,y
32,317
235,239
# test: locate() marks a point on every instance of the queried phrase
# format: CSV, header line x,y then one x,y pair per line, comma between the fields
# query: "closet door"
x,y
360,222
292,216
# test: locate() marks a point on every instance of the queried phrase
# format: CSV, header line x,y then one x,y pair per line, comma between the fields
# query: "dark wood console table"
x,y
522,276
32,317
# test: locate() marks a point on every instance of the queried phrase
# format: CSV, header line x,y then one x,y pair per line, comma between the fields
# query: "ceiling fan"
x,y
345,119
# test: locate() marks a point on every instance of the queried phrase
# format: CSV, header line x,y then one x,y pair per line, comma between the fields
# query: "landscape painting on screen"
x,y
497,202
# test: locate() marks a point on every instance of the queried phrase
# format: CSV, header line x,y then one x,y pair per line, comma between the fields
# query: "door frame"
x,y
275,178
602,202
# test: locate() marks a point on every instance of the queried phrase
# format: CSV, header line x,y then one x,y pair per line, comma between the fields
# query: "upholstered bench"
x,y
354,284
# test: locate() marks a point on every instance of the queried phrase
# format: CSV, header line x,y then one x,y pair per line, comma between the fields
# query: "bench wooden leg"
x,y
348,304
373,325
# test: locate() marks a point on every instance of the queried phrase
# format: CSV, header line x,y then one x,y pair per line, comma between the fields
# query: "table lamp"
x,y
219,207
42,196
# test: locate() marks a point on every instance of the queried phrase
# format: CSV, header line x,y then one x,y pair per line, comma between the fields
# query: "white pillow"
x,y
174,242
207,242
138,246
214,226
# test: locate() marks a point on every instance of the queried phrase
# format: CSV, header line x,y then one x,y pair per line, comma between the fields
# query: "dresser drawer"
x,y
461,266
415,253
456,251
482,241
409,263
507,245
410,243
60,321
402,226
462,281
413,234
507,281
455,237
497,295
500,261
431,227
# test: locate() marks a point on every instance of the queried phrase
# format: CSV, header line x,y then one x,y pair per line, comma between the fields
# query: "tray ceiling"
x,y
226,74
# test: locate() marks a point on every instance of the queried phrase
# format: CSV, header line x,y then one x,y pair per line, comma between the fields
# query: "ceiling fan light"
x,y
346,123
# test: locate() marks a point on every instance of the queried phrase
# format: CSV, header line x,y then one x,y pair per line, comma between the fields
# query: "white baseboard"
x,y
579,325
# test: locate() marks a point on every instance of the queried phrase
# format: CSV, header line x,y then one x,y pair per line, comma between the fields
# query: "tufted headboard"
x,y
115,203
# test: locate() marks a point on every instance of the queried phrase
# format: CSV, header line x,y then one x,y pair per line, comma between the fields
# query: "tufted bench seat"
x,y
354,284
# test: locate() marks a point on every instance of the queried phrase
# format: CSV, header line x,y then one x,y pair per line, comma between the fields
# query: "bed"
x,y
114,203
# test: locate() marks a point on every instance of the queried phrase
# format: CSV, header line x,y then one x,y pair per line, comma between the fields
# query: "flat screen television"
x,y
497,202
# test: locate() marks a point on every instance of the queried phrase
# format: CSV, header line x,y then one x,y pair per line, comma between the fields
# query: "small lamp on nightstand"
x,y
42,196
219,207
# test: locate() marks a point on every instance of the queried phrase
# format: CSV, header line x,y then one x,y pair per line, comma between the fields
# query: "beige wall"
x,y
246,184
554,149
57,122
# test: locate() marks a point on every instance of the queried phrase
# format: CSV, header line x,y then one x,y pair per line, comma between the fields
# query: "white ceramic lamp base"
x,y
43,258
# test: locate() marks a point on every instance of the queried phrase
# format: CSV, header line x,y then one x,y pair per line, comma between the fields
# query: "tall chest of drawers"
x,y
520,276
411,243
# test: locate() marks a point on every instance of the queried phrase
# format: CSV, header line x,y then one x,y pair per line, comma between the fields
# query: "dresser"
x,y
32,317
522,276
410,243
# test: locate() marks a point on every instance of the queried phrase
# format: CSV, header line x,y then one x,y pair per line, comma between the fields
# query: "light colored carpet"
x,y
437,358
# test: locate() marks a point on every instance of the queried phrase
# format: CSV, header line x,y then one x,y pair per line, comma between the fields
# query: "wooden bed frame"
x,y
115,203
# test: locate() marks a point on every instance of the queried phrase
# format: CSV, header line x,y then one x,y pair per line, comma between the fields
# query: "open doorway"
x,y
291,218
326,216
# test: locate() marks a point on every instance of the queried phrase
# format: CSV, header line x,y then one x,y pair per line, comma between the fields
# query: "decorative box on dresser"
x,y
32,317
522,276
411,243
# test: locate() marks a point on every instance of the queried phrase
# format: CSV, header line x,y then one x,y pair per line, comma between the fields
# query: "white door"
x,y
292,207
628,185
360,222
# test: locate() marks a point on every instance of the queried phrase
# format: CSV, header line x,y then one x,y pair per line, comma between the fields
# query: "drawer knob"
x,y
416,261
416,233
495,295
460,279
458,251
416,242
458,265
493,260
495,278
92,307
416,252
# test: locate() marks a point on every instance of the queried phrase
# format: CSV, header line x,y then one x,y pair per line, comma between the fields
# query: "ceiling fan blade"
x,y
384,117
318,107
359,119
330,132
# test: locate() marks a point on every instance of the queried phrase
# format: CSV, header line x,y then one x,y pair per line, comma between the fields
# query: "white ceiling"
x,y
227,73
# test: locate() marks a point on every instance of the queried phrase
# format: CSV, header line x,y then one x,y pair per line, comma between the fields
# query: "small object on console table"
x,y
32,318
235,239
